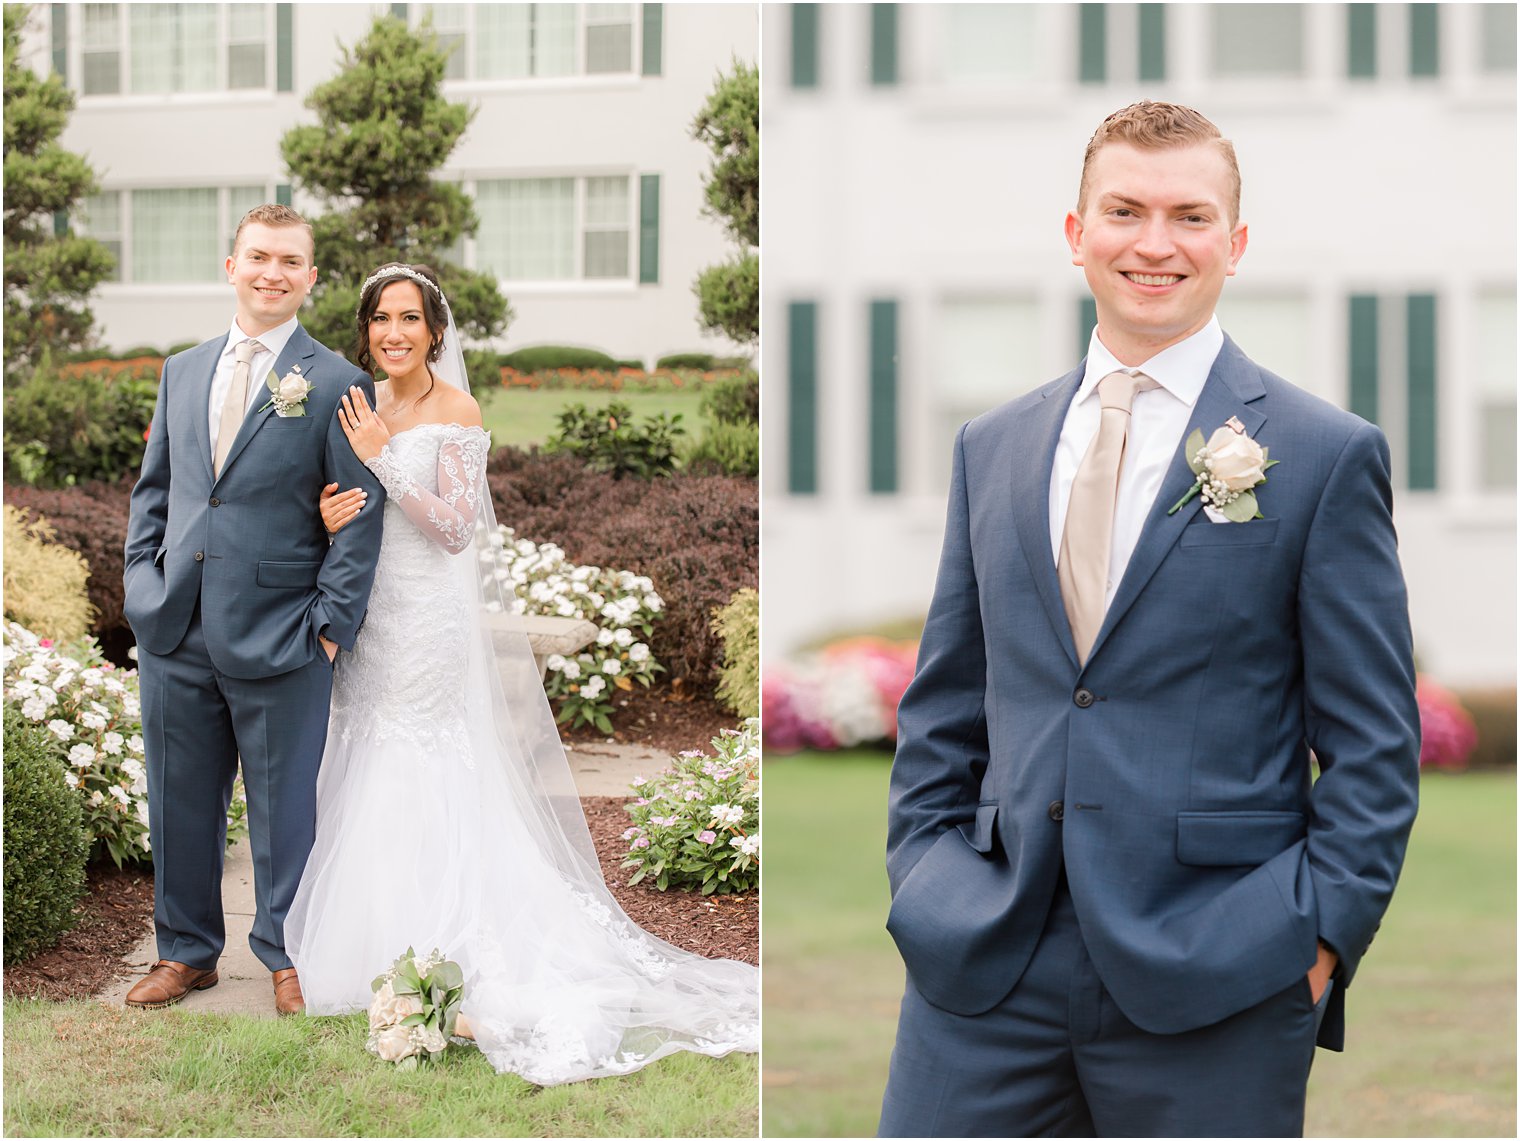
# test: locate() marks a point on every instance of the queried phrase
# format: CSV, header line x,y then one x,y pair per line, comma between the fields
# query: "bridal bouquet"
x,y
416,1005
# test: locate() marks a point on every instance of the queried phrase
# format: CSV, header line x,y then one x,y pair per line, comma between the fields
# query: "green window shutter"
x,y
399,11
649,229
282,194
1087,321
1362,366
60,223
284,48
60,33
1361,41
1422,391
1092,31
654,31
802,398
883,404
1424,40
804,45
1152,43
883,45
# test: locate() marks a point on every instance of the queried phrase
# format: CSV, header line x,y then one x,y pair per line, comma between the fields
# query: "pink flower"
x,y
1447,733
706,836
641,842
45,643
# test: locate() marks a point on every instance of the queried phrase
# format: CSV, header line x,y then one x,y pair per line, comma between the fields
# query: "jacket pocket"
x,y
1223,839
1203,533
298,576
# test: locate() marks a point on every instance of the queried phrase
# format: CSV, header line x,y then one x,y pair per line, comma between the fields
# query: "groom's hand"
x,y
1319,974
330,646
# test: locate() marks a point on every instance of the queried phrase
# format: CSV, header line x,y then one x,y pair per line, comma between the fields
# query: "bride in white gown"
x,y
446,816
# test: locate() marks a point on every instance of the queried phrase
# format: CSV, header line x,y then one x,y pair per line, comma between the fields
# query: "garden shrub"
x,y
734,399
483,367
738,625
45,582
1493,714
727,449
540,358
608,440
61,431
90,518
45,843
697,824
695,536
706,362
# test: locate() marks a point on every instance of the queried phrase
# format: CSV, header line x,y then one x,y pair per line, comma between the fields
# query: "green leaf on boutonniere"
x,y
1195,444
1242,508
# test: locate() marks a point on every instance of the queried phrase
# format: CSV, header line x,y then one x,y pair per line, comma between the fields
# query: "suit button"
x,y
1056,811
200,556
1083,698
215,502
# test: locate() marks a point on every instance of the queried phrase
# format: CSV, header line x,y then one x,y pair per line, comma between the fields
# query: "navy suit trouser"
x,y
1057,1058
197,724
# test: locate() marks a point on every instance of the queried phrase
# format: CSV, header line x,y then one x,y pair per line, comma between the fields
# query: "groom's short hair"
x,y
1151,126
273,214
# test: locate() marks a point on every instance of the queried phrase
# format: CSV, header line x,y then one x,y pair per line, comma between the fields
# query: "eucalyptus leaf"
x,y
1195,442
448,975
1242,508
414,1020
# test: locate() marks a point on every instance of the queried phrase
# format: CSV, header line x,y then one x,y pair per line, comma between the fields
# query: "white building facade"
x,y
920,160
585,177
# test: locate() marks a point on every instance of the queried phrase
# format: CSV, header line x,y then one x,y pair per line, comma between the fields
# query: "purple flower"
x,y
707,836
641,842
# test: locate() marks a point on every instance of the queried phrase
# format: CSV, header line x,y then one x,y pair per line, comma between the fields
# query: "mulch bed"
x,y
660,719
115,913
118,911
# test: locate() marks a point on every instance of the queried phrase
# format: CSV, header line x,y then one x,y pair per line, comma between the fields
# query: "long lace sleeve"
x,y
448,518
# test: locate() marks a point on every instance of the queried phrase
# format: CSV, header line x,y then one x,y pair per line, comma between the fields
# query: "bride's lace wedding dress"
x,y
436,829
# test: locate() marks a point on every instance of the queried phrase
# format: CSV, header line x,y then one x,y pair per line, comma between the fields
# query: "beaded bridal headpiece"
x,y
401,271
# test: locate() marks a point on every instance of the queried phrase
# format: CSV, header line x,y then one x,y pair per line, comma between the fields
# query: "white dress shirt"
x,y
274,342
1158,422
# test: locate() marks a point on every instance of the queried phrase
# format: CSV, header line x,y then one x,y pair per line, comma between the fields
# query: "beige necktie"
x,y
235,407
1087,538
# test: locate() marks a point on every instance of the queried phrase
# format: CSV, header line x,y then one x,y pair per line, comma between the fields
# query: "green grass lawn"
x,y
1431,1017
523,416
84,1069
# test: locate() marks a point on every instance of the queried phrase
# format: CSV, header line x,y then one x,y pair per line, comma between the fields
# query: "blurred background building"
x,y
584,175
919,161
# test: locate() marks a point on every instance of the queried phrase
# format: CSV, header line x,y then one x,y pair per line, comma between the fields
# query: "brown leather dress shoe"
x,y
287,992
167,983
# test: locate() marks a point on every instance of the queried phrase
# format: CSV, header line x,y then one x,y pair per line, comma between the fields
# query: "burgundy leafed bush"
x,y
696,536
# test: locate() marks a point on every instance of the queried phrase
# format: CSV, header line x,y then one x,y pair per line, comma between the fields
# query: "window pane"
x,y
245,66
198,47
1498,31
974,337
606,253
102,73
607,202
527,228
609,38
1495,385
174,236
240,200
99,217
247,21
173,47
503,41
101,27
1258,39
553,39
989,44
1271,331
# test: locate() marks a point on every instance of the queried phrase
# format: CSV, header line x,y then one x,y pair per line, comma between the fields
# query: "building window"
x,y
1394,379
1121,43
1257,41
172,49
534,41
1272,331
973,336
555,229
990,45
1496,54
1495,383
178,236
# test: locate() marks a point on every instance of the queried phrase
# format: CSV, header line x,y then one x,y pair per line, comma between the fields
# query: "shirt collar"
x,y
274,340
1181,369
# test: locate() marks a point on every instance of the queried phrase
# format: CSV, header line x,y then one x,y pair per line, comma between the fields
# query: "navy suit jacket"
x,y
1171,773
250,544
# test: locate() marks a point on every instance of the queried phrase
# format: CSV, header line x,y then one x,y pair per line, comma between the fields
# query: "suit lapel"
x,y
200,368
298,351
1036,436
1232,384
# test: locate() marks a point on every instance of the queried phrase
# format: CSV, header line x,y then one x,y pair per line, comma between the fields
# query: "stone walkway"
x,y
599,770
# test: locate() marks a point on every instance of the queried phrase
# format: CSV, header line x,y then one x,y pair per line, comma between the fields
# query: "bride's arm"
x,y
447,518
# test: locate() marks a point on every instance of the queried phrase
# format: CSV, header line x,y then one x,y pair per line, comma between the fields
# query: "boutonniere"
x,y
288,393
1228,466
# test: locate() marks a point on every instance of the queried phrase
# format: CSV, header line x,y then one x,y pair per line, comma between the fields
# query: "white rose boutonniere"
x,y
1228,466
288,393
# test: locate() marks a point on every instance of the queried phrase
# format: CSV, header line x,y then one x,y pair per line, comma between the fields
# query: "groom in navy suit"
x,y
240,604
1126,905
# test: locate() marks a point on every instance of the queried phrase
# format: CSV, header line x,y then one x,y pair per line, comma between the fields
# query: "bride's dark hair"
x,y
434,313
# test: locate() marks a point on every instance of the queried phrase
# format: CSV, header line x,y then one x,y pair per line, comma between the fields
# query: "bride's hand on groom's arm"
x,y
340,508
366,432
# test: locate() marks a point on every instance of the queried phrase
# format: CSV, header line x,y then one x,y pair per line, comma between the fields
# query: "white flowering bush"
x,y
623,605
697,824
95,710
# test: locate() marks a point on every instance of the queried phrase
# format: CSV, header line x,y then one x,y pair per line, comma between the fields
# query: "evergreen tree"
x,y
49,276
383,128
728,294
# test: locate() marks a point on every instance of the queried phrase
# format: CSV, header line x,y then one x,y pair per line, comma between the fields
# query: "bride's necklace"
x,y
396,410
